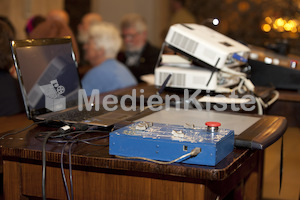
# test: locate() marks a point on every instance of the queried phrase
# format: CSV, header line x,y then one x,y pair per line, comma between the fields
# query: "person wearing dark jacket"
x,y
10,94
139,55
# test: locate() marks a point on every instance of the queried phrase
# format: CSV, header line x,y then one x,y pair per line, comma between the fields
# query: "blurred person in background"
x,y
86,21
180,14
82,37
10,95
59,15
55,26
107,74
8,22
139,55
33,22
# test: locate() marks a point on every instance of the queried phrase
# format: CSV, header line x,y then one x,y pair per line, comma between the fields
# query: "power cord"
x,y
70,167
63,172
70,170
193,153
21,130
44,164
246,85
63,133
70,160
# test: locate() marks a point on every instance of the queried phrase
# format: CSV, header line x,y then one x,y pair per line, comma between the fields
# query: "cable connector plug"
x,y
195,151
74,127
79,127
239,58
65,129
249,85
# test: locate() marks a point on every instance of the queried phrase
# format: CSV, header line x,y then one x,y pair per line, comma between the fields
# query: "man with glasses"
x,y
138,54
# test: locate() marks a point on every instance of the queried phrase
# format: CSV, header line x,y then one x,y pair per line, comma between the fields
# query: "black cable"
x,y
44,164
99,145
75,132
70,170
65,140
59,134
47,136
281,166
95,138
41,135
70,164
212,73
63,172
19,131
163,86
72,140
70,161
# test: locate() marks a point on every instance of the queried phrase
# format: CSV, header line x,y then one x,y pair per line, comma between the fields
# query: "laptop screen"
x,y
47,72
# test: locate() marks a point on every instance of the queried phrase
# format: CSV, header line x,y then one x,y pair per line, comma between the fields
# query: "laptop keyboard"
x,y
75,115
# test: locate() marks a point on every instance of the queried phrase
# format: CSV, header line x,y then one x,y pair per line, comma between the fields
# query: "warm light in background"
x,y
281,25
287,27
269,20
280,29
294,30
279,22
293,22
266,27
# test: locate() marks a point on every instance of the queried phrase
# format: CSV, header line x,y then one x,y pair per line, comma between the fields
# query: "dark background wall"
x,y
242,20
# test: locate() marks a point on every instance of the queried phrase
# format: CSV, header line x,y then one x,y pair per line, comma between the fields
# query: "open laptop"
x,y
50,84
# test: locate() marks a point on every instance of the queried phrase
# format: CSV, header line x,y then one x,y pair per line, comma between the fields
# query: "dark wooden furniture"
x,y
97,175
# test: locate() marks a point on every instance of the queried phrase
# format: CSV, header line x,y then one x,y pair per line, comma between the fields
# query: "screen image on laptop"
x,y
50,84
47,70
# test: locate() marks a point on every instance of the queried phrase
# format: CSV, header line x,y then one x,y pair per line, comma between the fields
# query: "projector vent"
x,y
176,79
184,43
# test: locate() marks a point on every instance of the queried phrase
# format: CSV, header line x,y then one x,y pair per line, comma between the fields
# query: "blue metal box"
x,y
166,142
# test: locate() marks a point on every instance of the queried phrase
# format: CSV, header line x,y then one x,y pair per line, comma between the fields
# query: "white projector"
x,y
212,51
206,45
191,78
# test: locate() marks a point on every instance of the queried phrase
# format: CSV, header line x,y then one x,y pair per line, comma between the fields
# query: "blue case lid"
x,y
170,132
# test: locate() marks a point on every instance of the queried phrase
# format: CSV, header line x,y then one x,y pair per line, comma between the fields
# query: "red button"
x,y
213,124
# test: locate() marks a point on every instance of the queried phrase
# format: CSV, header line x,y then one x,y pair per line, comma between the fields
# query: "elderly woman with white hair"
x,y
101,49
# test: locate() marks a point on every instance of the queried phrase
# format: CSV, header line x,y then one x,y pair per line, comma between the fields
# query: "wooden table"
x,y
97,175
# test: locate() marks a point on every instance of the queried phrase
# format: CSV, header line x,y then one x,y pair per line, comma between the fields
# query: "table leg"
x,y
11,180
